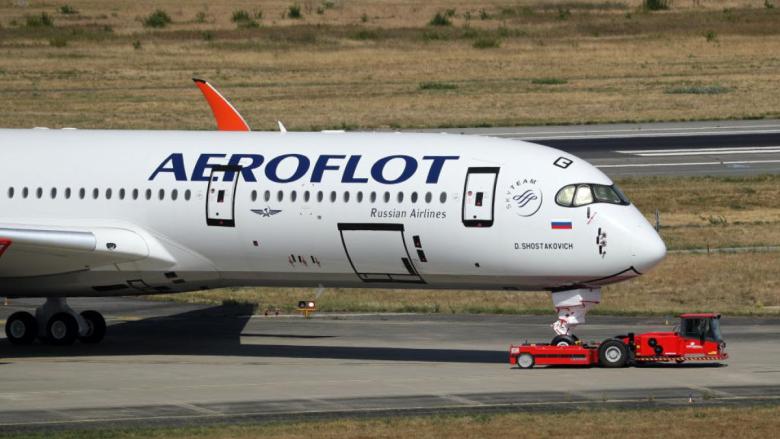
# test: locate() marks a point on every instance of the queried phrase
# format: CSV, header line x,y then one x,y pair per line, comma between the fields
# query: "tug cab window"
x,y
576,195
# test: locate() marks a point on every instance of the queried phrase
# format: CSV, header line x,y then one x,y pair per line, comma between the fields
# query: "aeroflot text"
x,y
297,166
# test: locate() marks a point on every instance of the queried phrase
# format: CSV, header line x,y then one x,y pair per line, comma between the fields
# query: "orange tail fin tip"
x,y
228,118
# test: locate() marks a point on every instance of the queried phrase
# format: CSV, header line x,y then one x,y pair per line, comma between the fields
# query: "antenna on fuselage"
x,y
228,118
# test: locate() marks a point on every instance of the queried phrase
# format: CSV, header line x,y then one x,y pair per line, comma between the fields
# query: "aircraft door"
x,y
479,195
378,252
221,197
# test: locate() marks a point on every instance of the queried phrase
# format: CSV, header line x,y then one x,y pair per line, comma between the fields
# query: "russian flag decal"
x,y
561,225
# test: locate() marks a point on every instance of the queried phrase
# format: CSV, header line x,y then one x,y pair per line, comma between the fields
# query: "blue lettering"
x,y
177,167
377,171
273,164
198,174
349,171
436,165
246,170
322,165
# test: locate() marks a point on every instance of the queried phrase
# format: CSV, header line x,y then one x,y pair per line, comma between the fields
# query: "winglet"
x,y
228,118
281,126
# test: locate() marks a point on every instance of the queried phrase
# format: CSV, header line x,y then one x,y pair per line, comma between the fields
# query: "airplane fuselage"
x,y
141,212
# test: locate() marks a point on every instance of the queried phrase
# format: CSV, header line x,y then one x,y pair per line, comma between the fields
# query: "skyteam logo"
x,y
523,197
288,168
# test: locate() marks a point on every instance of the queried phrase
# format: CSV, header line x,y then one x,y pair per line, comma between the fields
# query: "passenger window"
x,y
293,196
82,193
306,196
320,196
95,193
108,194
25,192
280,196
187,195
175,194
360,196
38,193
67,193
267,196
135,194
148,194
400,197
428,197
414,197
122,194
333,196
53,193
161,194
443,197
254,196
583,195
10,192
387,197
346,196
566,195
373,197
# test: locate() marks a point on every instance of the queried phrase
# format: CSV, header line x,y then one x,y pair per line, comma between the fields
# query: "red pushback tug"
x,y
697,339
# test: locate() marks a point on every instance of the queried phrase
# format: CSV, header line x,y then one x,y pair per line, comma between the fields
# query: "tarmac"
x,y
171,364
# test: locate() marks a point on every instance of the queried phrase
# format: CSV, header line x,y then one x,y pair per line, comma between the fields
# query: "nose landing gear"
x,y
55,323
572,306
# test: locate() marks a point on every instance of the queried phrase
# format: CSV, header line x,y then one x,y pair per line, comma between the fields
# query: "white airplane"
x,y
117,213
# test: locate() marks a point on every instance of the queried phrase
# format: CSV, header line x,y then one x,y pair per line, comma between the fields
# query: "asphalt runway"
x,y
726,148
172,364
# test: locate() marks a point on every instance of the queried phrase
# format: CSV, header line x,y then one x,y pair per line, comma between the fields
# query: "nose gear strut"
x,y
572,306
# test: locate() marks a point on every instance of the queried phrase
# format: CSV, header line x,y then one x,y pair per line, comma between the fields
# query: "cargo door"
x,y
378,252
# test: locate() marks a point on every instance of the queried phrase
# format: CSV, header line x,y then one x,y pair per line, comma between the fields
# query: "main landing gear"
x,y
55,323
572,306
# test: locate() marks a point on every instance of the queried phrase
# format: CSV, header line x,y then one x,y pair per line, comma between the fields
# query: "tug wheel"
x,y
525,361
613,353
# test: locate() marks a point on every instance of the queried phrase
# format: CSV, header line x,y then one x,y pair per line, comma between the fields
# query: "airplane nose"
x,y
648,248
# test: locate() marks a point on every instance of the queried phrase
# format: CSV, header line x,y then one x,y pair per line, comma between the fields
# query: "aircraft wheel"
x,y
62,329
525,361
564,340
96,325
613,353
21,328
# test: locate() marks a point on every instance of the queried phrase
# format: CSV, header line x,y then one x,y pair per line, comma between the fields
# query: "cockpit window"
x,y
566,195
583,194
606,194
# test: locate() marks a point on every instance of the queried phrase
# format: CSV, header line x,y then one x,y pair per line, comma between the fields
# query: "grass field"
x,y
684,423
709,212
94,64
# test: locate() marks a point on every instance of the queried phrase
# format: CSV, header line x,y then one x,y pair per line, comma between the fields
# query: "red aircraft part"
x,y
228,118
4,244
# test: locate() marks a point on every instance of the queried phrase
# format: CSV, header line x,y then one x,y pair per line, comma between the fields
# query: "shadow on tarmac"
x,y
218,331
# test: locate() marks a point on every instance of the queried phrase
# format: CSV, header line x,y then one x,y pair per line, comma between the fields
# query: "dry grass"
x,y
359,64
735,284
704,212
754,422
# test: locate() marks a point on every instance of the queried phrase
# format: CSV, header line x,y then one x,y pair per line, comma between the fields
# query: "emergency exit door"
x,y
221,198
479,197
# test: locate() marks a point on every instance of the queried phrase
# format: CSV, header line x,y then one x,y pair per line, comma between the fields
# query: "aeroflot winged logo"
x,y
288,168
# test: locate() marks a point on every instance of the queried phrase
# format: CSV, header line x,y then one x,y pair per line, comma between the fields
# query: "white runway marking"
x,y
724,163
616,134
700,151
